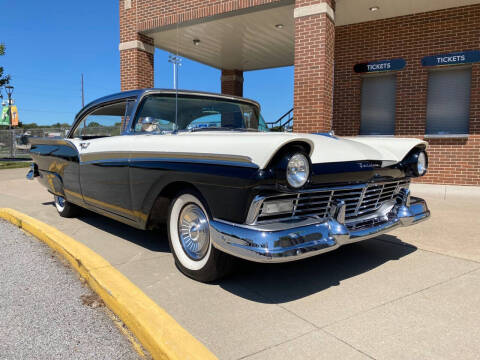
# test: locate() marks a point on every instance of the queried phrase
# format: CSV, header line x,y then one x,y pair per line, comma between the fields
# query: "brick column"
x,y
314,49
136,51
232,82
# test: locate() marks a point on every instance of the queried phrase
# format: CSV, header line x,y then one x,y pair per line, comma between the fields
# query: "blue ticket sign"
x,y
464,57
380,65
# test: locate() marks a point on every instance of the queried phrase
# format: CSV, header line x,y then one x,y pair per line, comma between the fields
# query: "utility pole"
x,y
9,90
83,94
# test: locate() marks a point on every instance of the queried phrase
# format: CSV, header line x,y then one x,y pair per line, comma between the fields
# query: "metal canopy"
x,y
248,41
263,36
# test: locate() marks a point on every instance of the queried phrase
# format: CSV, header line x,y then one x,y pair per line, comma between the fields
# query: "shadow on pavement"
x,y
280,283
151,240
277,283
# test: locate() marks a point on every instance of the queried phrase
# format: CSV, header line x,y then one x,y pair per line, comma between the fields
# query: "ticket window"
x,y
448,101
378,104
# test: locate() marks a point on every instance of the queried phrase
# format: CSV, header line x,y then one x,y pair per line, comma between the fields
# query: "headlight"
x,y
298,170
422,164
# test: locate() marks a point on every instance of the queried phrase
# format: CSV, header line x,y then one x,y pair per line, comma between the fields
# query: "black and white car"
x,y
207,167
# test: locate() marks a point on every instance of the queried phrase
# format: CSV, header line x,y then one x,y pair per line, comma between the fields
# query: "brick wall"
x,y
313,79
232,82
452,161
136,66
157,13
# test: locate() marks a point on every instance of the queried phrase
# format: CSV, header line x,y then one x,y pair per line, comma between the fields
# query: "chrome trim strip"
x,y
125,156
360,200
180,160
254,209
153,154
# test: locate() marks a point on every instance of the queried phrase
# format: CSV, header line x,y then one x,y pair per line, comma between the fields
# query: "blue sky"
x,y
50,43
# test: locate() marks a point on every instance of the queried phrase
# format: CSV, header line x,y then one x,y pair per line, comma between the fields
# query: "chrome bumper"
x,y
289,241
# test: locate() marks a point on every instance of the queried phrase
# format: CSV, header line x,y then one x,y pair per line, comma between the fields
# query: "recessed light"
x,y
279,26
374,8
196,42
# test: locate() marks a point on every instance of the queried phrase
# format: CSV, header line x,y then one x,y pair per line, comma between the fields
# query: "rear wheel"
x,y
189,239
65,209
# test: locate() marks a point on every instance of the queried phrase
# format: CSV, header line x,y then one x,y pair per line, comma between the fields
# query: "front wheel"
x,y
189,239
65,209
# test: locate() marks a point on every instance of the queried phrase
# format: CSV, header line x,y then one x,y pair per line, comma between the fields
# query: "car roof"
x,y
135,94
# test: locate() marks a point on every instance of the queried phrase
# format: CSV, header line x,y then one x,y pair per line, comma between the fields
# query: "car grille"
x,y
360,200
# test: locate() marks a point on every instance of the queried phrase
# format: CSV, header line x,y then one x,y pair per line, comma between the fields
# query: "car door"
x,y
104,174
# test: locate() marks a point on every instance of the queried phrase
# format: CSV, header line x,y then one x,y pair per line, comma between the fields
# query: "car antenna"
x,y
176,61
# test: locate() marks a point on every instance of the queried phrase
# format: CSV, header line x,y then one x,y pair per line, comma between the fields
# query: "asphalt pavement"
x,y
45,310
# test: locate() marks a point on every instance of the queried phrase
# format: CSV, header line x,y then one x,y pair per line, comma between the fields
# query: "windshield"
x,y
157,114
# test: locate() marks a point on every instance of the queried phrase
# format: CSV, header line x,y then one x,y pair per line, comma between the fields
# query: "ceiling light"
x,y
196,42
374,8
279,26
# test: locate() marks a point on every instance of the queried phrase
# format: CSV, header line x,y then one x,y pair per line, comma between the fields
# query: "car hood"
x,y
261,147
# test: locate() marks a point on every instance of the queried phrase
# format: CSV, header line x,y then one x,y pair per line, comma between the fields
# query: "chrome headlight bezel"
x,y
412,163
421,164
297,171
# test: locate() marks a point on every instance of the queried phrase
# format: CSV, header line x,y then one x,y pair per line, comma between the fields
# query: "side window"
x,y
104,121
378,105
448,101
156,114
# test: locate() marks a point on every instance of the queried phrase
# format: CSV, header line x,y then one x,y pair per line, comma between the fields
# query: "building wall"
x,y
136,65
452,161
157,13
314,61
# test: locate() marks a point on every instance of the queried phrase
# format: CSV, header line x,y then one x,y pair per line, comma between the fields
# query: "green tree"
x,y
4,79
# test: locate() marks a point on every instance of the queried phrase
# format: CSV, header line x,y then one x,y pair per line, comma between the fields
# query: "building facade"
x,y
362,67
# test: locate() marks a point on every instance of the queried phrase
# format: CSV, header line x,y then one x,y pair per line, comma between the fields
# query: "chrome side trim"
x,y
254,209
295,240
221,159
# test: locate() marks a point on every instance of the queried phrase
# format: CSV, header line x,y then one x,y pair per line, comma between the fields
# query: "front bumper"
x,y
293,240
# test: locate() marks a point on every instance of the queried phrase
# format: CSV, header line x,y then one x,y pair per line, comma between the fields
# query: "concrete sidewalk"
x,y
410,294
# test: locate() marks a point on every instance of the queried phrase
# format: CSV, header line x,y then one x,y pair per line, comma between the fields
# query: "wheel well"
x,y
159,213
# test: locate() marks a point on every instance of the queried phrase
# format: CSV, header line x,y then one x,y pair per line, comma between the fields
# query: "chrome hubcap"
x,y
193,230
59,202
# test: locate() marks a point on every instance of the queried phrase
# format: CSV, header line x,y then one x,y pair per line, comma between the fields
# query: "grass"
x,y
14,164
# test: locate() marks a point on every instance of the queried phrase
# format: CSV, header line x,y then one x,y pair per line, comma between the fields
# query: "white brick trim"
x,y
136,44
322,8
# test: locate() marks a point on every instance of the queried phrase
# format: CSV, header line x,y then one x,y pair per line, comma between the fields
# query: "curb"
x,y
156,330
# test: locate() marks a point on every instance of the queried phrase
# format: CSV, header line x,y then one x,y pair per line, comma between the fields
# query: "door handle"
x,y
84,145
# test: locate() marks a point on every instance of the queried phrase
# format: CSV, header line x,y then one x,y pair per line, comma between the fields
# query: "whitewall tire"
x,y
65,208
189,238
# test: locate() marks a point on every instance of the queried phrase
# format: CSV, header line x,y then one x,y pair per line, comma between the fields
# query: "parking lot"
x,y
411,294
46,312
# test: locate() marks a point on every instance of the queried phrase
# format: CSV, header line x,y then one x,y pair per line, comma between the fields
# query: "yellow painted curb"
x,y
158,332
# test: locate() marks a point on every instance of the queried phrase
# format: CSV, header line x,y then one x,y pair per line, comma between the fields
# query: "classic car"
x,y
206,166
